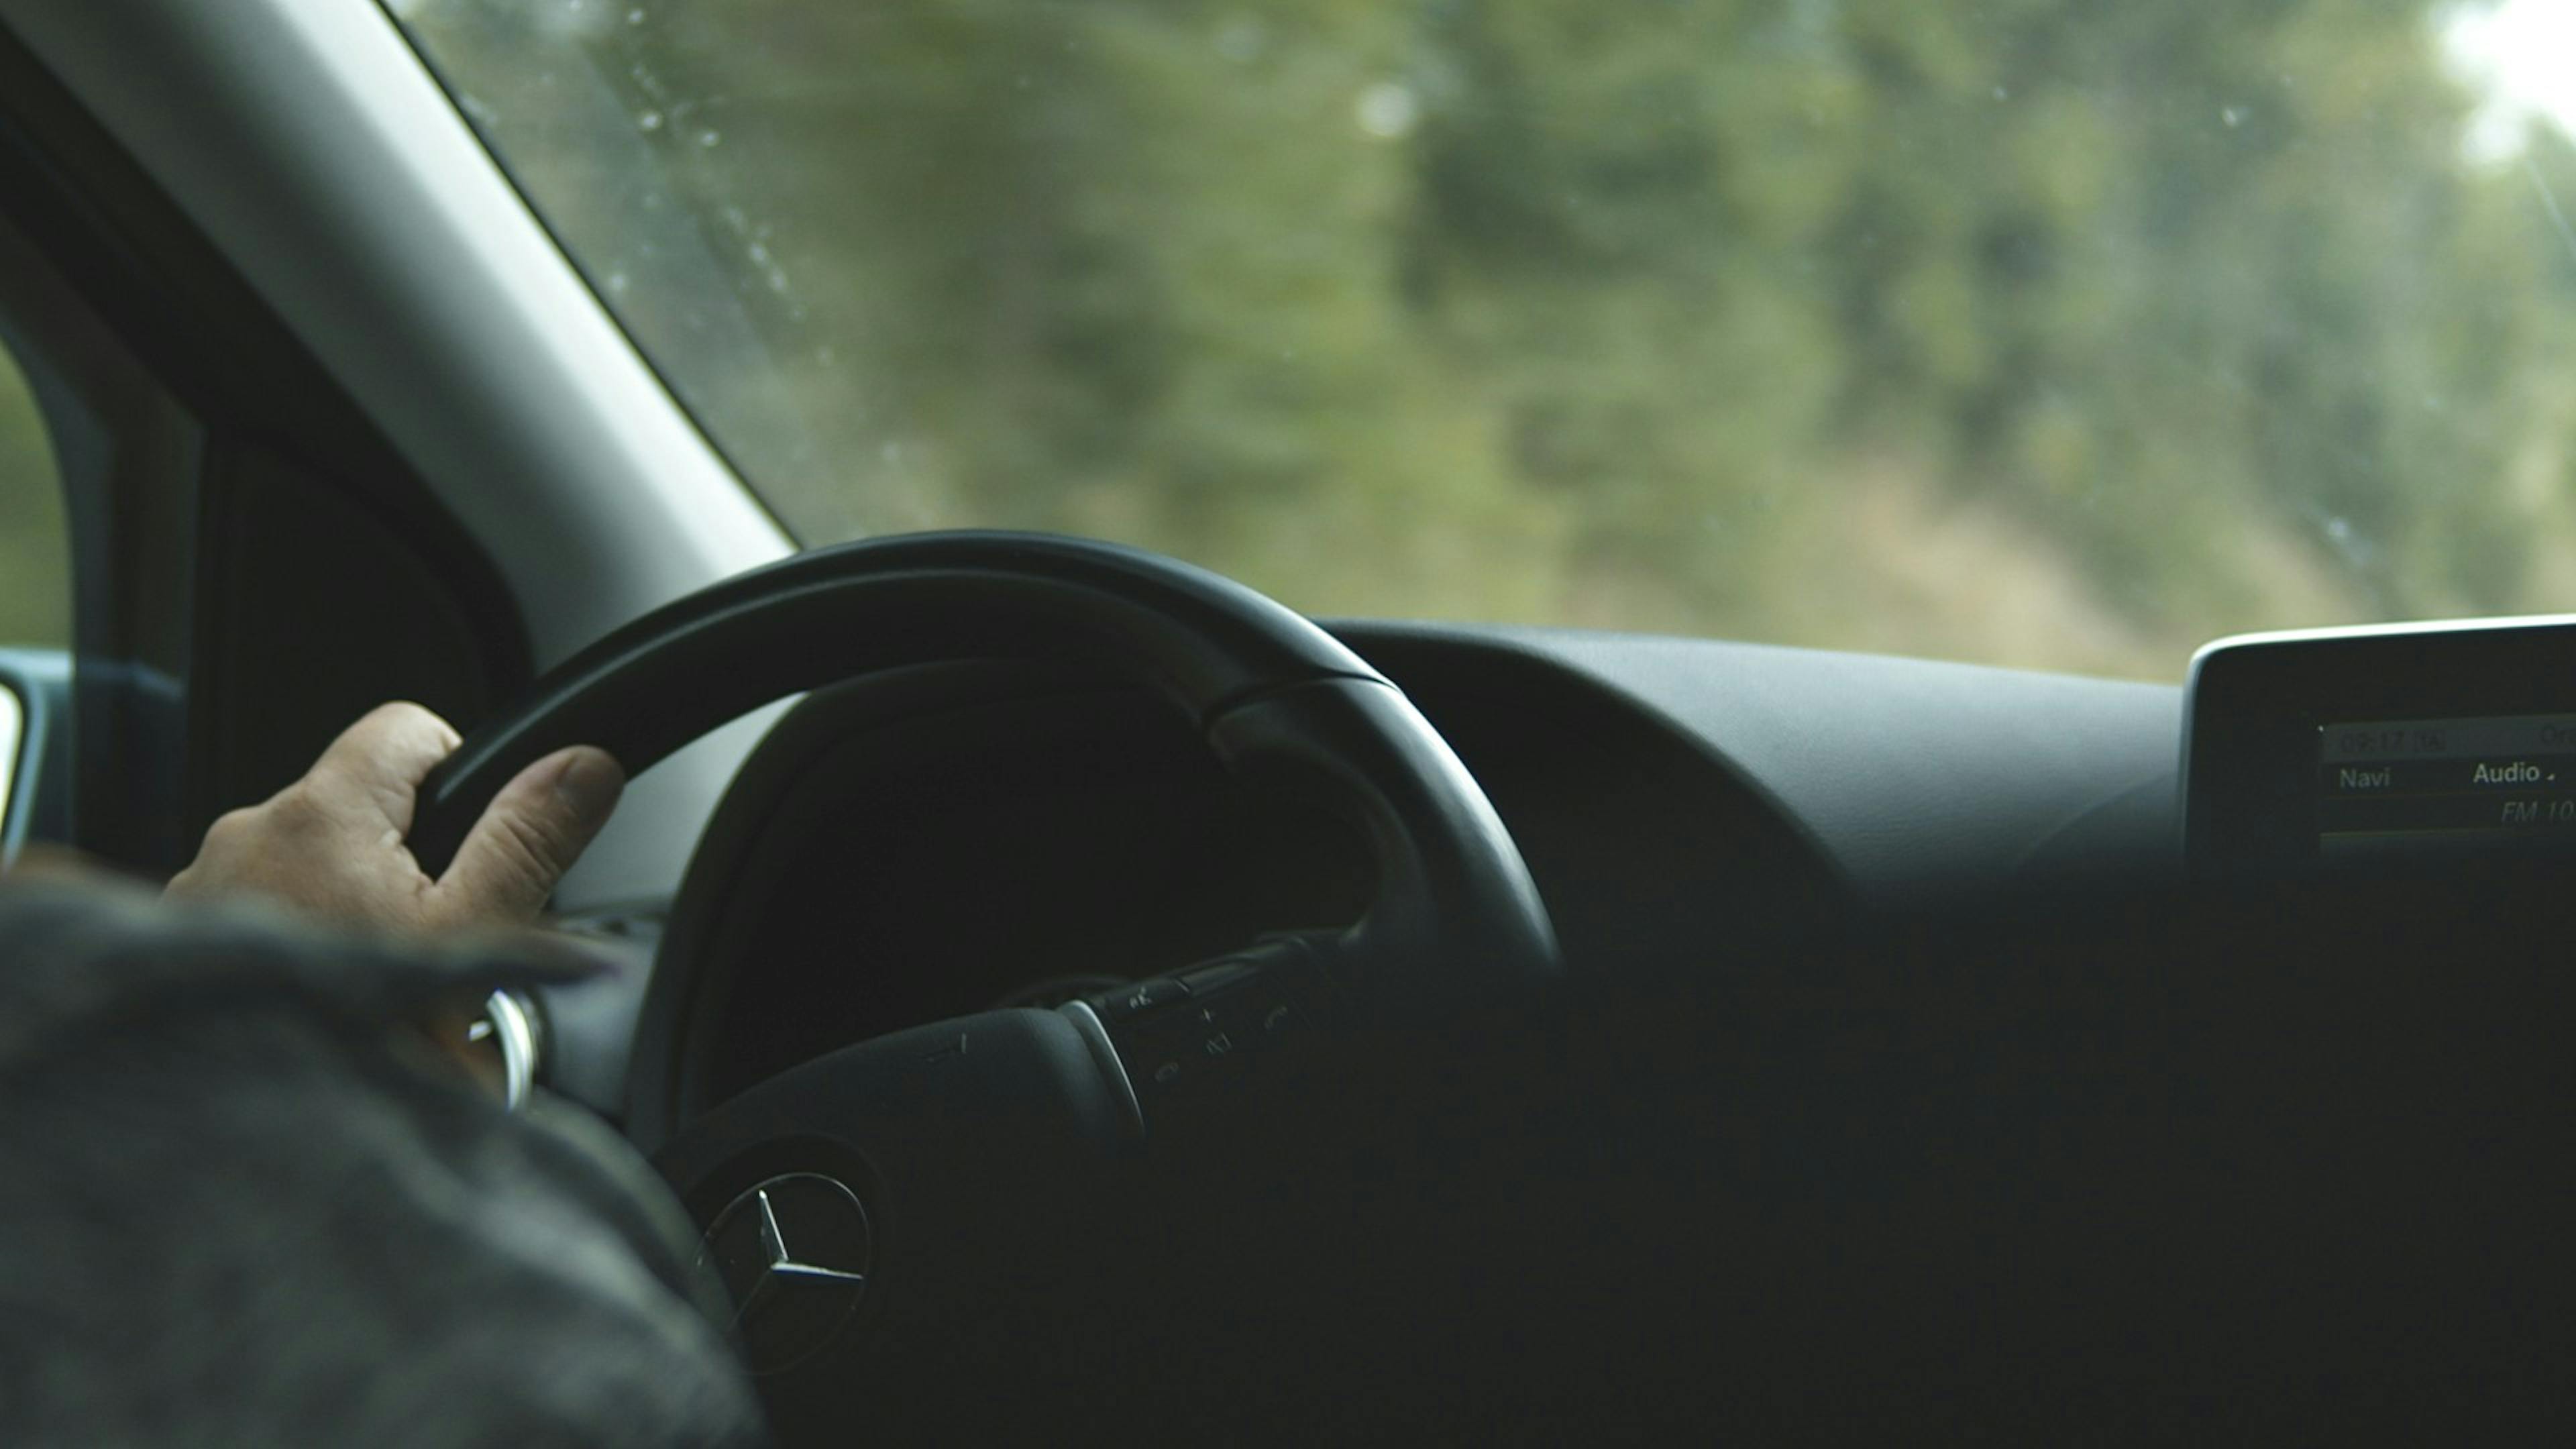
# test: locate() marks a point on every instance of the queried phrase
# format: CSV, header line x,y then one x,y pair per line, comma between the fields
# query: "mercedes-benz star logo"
x,y
793,1253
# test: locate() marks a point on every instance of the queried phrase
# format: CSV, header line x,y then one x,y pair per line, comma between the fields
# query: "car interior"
x,y
1181,1015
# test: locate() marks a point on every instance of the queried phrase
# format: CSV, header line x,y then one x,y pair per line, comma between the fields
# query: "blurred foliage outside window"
x,y
2065,333
35,546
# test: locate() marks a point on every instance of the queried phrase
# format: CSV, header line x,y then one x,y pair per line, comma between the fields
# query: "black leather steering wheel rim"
x,y
1265,687
832,613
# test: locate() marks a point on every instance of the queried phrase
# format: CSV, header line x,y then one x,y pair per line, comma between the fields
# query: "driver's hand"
x,y
331,844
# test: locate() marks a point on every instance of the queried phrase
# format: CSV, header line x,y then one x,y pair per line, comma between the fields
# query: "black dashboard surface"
x,y
922,844
1915,780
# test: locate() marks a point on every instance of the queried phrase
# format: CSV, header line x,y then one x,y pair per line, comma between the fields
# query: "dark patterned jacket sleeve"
x,y
237,1208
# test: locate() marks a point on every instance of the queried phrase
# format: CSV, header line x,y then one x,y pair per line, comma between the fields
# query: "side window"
x,y
35,545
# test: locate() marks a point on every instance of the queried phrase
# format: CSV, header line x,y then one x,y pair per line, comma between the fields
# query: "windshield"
x,y
2049,332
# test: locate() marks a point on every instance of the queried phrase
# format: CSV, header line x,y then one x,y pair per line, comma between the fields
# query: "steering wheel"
x,y
914,1154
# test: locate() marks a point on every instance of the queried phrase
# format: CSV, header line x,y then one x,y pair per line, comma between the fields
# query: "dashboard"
x,y
2123,1094
932,842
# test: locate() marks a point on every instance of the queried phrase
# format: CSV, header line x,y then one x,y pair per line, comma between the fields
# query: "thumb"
x,y
535,829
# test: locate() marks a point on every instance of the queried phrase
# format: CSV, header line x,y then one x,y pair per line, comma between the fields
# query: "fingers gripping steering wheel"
x,y
873,1134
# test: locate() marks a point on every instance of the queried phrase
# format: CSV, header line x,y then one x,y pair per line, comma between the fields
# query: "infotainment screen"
x,y
2444,783
2306,749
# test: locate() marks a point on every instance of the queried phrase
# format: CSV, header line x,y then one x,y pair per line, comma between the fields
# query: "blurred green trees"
x,y
35,550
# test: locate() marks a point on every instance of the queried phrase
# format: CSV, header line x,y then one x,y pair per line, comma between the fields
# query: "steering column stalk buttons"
x,y
1203,1038
1138,997
1200,1024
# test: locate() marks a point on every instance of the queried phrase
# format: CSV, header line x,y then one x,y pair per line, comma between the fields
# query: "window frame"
x,y
163,377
